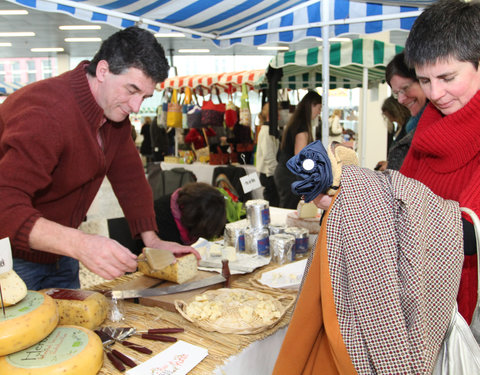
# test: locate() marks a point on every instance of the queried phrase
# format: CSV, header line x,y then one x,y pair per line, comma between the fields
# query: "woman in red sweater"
x,y
445,151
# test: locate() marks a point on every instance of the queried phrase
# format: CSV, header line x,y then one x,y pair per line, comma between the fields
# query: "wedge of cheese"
x,y
27,323
80,307
67,350
306,210
13,288
183,270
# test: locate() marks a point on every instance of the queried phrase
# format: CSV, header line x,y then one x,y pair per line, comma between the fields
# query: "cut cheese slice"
x,y
27,323
67,350
307,210
80,307
184,269
13,288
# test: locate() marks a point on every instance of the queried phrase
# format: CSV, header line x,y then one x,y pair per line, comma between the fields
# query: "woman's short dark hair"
x,y
132,47
203,210
398,67
446,29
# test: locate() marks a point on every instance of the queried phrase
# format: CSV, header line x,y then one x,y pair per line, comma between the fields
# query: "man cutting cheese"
x,y
59,138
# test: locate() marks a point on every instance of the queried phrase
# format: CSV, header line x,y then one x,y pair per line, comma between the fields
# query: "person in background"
x,y
192,211
52,168
266,159
335,128
146,146
397,116
406,89
297,134
444,48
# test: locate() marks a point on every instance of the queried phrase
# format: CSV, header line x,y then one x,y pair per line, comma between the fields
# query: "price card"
x,y
250,182
6,263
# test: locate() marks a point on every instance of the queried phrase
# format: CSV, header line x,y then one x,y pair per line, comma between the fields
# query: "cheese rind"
x,y
13,288
80,307
67,350
27,323
183,270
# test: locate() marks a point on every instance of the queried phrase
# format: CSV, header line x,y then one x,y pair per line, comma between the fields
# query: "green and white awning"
x,y
303,69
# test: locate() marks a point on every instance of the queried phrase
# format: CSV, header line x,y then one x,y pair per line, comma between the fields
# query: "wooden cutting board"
x,y
166,301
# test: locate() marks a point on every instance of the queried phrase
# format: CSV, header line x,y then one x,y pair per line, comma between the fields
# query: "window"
x,y
16,72
2,72
31,71
46,68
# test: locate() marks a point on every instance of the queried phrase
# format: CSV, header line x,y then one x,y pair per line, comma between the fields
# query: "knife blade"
x,y
153,292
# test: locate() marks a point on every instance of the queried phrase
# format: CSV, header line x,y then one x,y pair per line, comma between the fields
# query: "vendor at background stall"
x,y
297,134
59,138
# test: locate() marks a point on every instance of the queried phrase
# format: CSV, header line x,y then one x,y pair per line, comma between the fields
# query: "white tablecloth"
x,y
204,173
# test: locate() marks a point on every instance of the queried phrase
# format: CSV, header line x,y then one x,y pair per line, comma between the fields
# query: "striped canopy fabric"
x,y
8,88
223,81
249,22
303,69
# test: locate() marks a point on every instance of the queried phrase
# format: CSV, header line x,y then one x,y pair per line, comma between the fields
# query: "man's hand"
x,y
150,239
101,255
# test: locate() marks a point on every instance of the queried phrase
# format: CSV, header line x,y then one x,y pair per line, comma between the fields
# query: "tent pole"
x,y
364,117
273,76
325,70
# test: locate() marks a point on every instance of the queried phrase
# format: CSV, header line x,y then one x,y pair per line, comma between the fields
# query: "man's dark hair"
x,y
203,210
132,47
446,29
397,67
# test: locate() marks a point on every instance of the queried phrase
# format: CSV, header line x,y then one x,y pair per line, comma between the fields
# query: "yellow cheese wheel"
x,y
79,307
27,322
67,350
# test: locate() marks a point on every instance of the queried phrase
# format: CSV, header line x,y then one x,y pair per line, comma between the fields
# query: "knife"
x,y
152,292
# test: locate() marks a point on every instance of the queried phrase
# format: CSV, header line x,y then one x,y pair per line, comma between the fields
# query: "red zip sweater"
x,y
445,156
51,164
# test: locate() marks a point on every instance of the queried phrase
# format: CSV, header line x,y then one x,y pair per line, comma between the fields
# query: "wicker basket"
x,y
231,319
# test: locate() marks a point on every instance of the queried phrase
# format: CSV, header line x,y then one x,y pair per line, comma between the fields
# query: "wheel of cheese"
x,y
27,322
68,350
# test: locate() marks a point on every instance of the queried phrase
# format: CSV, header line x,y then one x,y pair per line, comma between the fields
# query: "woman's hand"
x,y
323,201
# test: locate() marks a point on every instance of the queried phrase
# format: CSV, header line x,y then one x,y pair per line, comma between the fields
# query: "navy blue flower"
x,y
313,166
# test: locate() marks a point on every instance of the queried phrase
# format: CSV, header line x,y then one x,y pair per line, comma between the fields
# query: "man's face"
x,y
122,94
449,84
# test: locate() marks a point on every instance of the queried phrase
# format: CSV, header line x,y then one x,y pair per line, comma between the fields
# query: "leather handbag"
x,y
213,114
460,351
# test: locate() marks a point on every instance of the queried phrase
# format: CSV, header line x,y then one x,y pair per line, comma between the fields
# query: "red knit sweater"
x,y
51,164
445,156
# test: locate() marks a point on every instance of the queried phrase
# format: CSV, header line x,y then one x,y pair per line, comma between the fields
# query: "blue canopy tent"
x,y
8,88
252,22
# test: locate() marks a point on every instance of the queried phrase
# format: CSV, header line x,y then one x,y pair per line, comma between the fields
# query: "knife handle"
x,y
136,347
158,337
116,362
165,330
122,357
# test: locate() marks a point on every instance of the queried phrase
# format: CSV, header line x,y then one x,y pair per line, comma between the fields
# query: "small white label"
x,y
250,182
6,263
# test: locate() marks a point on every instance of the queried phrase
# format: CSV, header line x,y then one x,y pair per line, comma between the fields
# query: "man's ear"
x,y
102,70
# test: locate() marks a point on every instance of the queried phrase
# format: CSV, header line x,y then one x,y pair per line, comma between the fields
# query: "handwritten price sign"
x,y
250,182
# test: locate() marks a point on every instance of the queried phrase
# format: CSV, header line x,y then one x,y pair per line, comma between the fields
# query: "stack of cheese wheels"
x,y
32,342
27,322
68,350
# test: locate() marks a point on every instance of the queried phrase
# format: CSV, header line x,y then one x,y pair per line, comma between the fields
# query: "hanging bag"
x,y
231,114
174,113
460,351
187,106
245,115
194,115
212,114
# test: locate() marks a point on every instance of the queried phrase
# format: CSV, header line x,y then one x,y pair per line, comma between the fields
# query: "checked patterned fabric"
x,y
395,254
